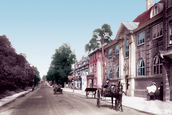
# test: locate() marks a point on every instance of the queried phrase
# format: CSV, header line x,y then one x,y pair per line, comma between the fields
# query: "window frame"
x,y
157,65
127,47
141,67
110,52
117,71
110,72
139,38
117,49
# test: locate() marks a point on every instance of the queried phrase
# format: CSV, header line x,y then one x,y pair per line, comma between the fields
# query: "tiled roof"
x,y
144,17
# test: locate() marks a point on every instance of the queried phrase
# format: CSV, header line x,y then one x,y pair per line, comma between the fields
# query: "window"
x,y
117,71
157,65
141,38
170,32
141,68
157,30
110,72
95,81
95,67
117,49
110,52
95,55
126,48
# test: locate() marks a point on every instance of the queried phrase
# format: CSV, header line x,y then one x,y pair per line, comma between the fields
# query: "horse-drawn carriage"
x,y
114,92
92,91
58,89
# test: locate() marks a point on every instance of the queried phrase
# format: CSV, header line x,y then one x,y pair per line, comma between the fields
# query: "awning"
x,y
166,53
91,76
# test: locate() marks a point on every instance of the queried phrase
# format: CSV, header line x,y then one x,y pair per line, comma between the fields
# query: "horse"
x,y
114,92
117,91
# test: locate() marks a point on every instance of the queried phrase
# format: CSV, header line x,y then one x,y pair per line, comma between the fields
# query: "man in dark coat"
x,y
106,83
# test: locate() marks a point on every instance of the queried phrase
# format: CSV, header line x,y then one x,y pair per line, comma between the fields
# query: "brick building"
x,y
95,76
142,51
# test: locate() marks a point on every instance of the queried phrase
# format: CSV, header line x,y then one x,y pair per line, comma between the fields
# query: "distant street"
x,y
43,102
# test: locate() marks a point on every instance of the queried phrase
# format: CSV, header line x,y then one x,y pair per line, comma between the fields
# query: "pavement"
x,y
156,107
8,99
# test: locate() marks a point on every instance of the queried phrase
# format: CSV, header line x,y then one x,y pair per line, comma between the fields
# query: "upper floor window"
x,y
117,71
170,32
126,48
110,52
117,49
156,9
95,67
95,55
110,72
157,30
141,68
141,38
157,65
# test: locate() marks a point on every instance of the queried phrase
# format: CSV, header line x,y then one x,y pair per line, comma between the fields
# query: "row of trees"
x,y
61,64
15,71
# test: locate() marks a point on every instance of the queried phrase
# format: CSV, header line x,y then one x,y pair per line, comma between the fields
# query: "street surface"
x,y
42,101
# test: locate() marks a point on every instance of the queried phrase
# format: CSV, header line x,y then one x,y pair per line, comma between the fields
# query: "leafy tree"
x,y
61,64
15,71
36,77
103,35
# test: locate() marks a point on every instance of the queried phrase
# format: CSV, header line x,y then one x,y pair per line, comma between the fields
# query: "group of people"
x,y
152,90
107,83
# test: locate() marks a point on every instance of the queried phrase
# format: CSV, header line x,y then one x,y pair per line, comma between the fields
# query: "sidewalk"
x,y
153,106
9,99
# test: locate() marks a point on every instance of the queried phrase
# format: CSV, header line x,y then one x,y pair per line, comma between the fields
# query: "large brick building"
x,y
142,51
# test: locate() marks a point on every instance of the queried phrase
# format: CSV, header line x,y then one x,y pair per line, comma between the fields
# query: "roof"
x,y
130,25
147,15
144,17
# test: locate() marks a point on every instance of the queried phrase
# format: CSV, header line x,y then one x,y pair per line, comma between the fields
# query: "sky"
x,y
38,27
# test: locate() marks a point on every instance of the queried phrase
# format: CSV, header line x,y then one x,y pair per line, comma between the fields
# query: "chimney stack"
x,y
149,4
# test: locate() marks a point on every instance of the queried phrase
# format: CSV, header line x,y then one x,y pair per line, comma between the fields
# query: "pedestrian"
x,y
161,91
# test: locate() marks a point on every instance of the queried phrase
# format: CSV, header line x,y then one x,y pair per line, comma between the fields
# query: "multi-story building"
x,y
95,76
80,73
119,57
142,52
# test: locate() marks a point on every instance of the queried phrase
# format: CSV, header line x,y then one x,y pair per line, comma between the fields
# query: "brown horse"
x,y
117,91
114,92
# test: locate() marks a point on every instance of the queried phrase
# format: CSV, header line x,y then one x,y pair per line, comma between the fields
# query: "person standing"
x,y
161,91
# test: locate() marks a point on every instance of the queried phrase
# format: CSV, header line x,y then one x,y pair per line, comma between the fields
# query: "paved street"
x,y
43,102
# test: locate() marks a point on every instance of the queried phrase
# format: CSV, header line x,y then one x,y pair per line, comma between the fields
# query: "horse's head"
x,y
113,88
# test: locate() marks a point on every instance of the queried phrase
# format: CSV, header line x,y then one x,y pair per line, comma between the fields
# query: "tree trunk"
x,y
103,57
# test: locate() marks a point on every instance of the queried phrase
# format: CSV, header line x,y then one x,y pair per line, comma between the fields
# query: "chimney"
x,y
149,4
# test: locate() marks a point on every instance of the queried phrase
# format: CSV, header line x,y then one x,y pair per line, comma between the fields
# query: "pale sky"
x,y
38,27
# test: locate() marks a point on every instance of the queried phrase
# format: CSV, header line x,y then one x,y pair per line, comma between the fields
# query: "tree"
x,y
15,71
103,35
61,64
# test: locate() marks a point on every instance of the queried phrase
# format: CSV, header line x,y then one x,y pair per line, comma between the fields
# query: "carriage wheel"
x,y
98,99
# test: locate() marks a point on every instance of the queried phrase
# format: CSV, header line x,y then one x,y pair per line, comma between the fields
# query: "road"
x,y
42,101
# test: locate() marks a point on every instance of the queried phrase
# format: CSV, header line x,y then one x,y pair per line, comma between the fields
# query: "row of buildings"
x,y
140,53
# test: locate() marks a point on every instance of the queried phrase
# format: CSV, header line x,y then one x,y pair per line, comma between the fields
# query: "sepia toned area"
x,y
129,73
